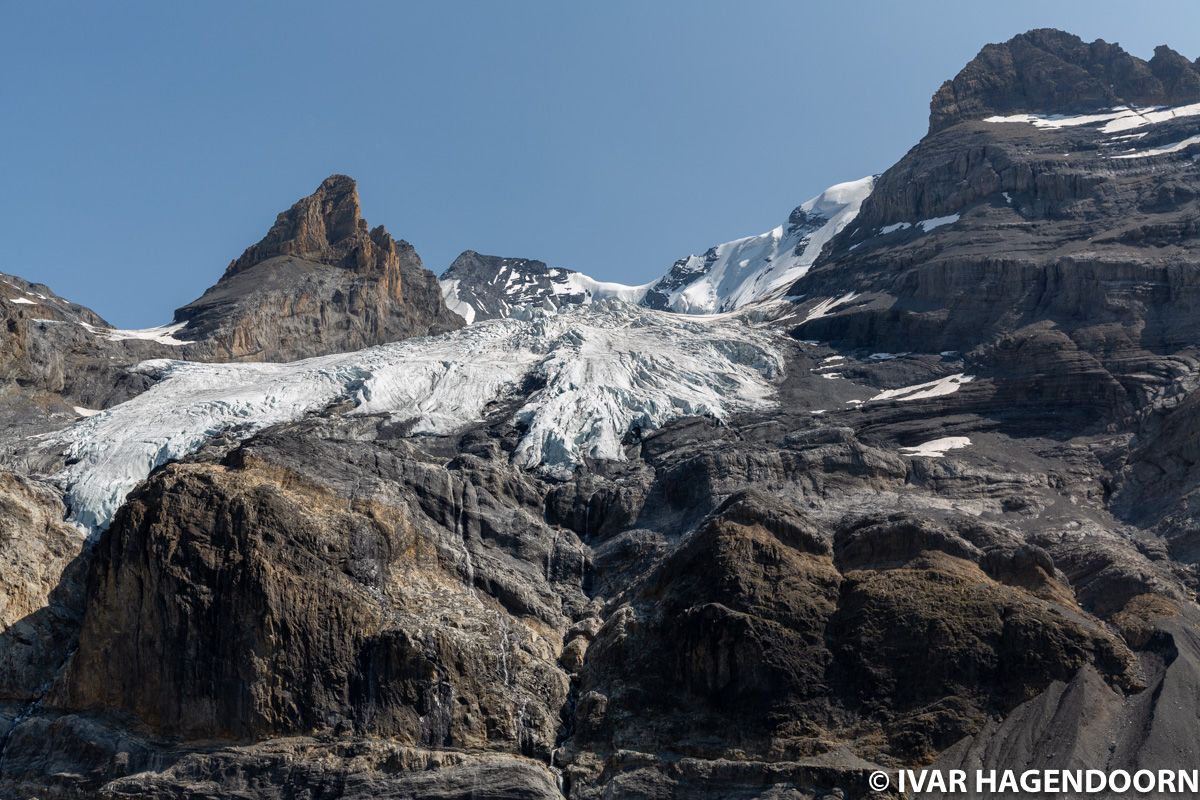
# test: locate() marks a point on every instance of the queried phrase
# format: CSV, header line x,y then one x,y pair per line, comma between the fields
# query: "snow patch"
x,y
936,448
86,412
22,301
926,225
936,222
827,306
1163,150
456,304
1120,118
922,391
163,334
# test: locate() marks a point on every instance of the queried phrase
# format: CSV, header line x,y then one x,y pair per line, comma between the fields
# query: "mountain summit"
x,y
1054,72
321,281
327,227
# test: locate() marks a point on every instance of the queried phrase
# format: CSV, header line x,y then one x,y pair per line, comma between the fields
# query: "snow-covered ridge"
x,y
605,370
732,274
725,278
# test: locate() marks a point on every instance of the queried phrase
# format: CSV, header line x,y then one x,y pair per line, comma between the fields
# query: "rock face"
x,y
55,358
1053,72
319,282
1031,242
479,287
950,519
41,572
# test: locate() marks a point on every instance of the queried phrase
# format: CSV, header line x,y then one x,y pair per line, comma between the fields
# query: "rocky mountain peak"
x,y
1051,71
327,227
321,281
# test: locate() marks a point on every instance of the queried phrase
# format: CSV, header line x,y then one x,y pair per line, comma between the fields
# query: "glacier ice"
x,y
604,370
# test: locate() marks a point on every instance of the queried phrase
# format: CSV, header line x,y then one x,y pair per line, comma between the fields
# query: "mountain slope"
x,y
479,287
1057,249
727,277
733,274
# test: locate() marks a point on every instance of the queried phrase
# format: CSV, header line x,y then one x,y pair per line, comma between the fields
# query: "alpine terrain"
x,y
912,479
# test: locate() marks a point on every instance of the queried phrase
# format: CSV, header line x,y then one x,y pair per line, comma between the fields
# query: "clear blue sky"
x,y
145,144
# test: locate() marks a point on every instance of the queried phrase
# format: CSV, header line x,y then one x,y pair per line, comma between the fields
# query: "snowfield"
x,y
604,370
163,334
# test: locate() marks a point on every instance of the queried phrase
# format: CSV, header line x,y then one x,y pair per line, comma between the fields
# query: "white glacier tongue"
x,y
604,370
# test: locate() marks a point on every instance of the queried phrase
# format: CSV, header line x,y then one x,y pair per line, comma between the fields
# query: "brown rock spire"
x,y
327,227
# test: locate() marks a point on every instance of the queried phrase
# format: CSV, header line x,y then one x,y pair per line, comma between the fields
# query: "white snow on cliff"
x,y
735,273
1114,120
163,334
604,370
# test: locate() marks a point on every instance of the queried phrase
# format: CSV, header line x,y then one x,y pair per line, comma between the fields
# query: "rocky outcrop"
x,y
41,588
52,360
1054,72
405,588
319,282
1073,242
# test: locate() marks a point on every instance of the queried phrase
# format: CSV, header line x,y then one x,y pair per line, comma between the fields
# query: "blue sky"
x,y
146,144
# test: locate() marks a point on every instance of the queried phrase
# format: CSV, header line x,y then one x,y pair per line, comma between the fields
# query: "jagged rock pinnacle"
x,y
326,227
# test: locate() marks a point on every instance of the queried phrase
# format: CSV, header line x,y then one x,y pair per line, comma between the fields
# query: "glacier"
x,y
603,370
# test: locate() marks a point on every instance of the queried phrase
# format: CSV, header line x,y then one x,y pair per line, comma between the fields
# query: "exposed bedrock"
x,y
960,528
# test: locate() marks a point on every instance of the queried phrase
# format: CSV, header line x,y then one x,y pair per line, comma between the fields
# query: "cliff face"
x,y
1028,233
1054,72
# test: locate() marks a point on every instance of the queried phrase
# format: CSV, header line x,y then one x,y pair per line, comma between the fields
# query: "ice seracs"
x,y
604,371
